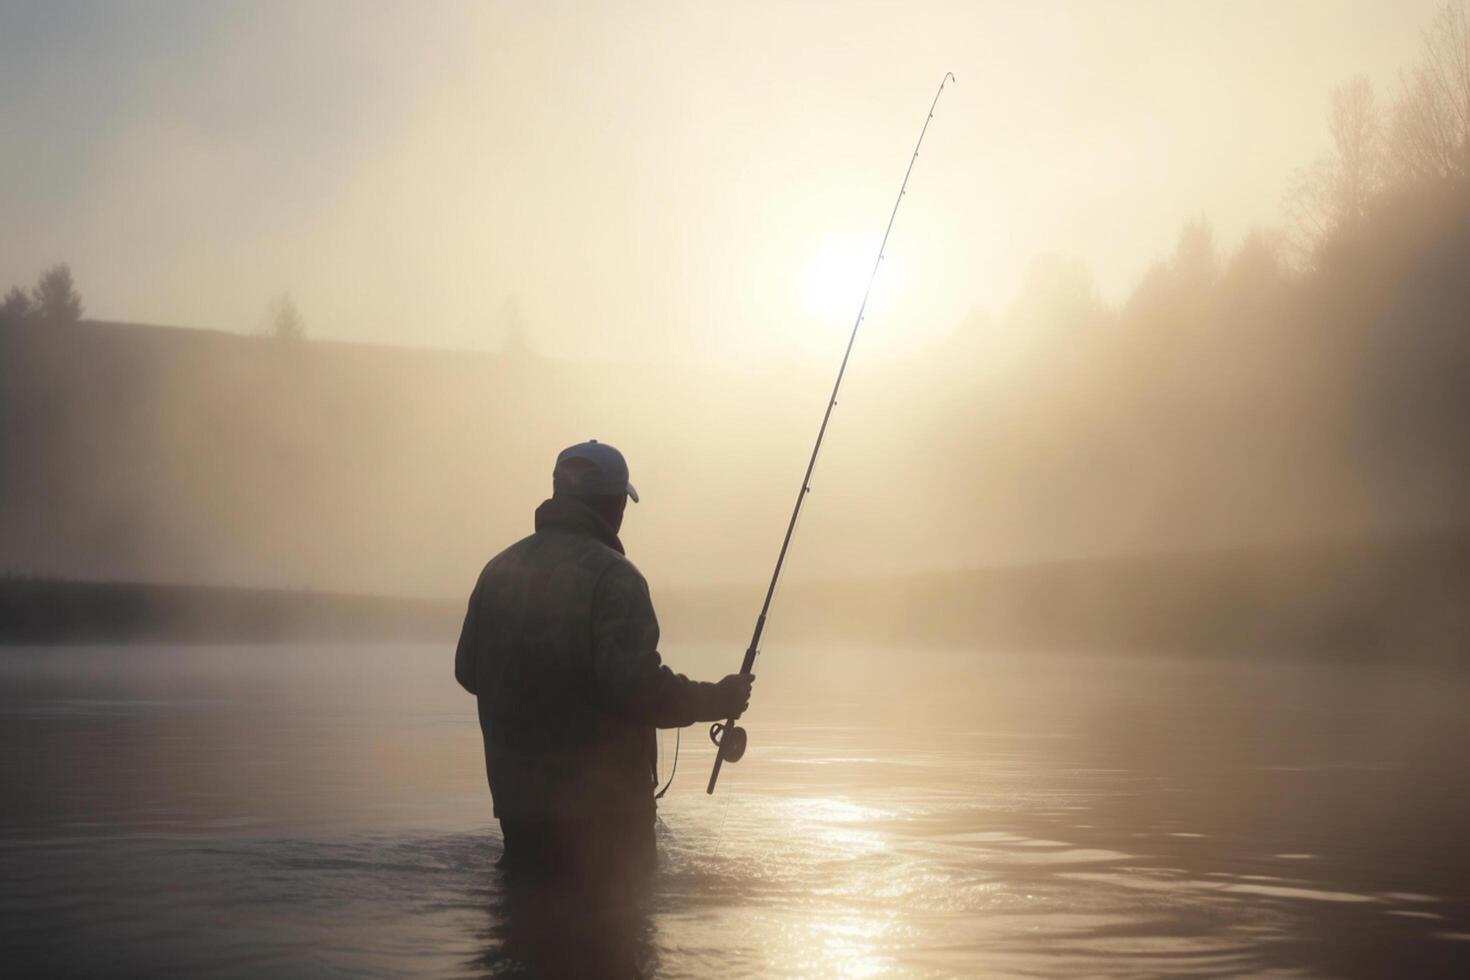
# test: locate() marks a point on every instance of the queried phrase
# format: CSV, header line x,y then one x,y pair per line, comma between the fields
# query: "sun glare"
x,y
837,273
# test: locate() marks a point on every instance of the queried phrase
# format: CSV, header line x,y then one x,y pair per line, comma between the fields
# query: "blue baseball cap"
x,y
591,469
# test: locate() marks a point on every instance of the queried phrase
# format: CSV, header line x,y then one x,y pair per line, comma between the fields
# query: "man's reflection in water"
x,y
574,903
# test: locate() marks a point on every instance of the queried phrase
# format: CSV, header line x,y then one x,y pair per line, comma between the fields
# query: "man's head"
x,y
597,475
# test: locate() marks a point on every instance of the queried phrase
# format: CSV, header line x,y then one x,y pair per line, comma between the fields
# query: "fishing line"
x,y
675,768
729,738
720,835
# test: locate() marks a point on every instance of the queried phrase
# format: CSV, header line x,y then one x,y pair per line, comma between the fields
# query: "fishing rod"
x,y
729,738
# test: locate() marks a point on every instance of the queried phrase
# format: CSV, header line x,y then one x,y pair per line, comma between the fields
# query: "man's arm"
x,y
630,678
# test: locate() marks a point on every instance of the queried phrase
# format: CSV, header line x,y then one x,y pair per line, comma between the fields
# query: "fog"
x,y
649,179
1124,631
1114,317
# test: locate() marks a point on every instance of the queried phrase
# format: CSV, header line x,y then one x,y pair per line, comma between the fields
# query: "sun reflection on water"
x,y
842,851
836,823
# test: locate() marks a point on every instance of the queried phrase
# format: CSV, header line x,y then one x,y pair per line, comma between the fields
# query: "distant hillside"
x,y
147,453
136,452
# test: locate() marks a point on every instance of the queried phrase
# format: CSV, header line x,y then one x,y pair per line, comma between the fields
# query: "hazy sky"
x,y
681,178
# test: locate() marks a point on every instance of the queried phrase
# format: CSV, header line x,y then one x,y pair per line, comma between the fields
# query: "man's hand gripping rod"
x,y
728,737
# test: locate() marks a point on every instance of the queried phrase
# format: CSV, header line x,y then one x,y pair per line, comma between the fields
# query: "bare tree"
x,y
1334,192
55,296
1431,122
1357,138
284,320
1308,210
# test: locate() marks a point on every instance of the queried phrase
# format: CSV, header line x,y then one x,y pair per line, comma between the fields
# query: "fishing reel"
x,y
730,739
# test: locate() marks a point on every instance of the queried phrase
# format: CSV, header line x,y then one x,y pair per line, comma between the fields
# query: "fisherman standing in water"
x,y
560,647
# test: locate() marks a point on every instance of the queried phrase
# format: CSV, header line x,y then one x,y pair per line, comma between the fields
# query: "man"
x,y
560,647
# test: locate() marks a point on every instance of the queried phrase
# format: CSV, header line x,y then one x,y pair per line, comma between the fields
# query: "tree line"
x,y
1308,380
54,299
1421,138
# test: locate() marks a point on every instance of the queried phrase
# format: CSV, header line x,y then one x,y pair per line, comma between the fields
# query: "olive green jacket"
x,y
560,646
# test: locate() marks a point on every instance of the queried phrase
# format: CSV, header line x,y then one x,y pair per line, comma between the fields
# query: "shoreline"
x,y
1399,598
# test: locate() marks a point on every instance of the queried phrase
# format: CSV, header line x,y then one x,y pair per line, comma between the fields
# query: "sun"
x,y
836,274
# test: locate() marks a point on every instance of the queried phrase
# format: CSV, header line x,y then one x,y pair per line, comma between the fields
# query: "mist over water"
x,y
230,811
1125,629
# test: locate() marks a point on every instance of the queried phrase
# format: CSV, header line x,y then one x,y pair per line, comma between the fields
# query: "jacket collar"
x,y
570,514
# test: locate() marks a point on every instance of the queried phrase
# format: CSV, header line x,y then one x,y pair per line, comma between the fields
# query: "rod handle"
x,y
715,772
745,667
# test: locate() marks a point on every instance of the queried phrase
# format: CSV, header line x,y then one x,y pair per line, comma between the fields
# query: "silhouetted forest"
x,y
57,611
1314,380
1308,385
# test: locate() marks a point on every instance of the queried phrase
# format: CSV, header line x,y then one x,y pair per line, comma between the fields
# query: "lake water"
x,y
321,811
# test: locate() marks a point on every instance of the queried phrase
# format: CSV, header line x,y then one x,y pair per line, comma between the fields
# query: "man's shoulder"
x,y
554,547
513,555
615,570
620,569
